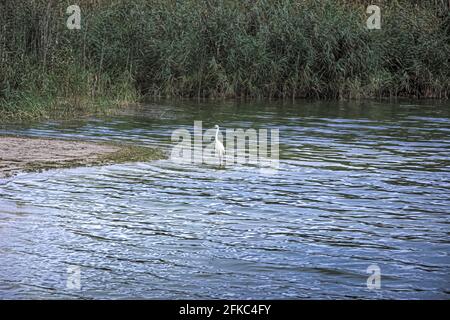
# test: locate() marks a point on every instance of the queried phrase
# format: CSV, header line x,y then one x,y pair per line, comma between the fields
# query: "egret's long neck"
x,y
217,134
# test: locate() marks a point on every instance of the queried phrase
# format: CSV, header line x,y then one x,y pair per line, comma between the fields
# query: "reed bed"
x,y
129,49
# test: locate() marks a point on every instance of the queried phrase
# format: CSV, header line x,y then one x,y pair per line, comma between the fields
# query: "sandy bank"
x,y
35,154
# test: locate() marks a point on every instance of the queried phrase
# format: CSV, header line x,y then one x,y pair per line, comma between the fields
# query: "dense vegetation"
x,y
127,49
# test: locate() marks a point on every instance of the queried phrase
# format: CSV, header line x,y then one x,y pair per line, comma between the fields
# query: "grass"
x,y
288,49
30,107
131,153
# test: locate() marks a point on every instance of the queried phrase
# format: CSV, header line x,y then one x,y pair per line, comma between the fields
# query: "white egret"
x,y
218,146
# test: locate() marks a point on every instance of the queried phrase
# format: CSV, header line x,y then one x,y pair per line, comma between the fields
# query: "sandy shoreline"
x,y
18,154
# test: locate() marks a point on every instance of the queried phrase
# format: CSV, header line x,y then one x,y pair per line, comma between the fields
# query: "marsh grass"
x,y
216,49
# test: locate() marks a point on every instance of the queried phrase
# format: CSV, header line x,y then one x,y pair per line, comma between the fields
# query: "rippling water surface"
x,y
358,184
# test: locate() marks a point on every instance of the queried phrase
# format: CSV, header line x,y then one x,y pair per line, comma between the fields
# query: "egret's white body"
x,y
220,150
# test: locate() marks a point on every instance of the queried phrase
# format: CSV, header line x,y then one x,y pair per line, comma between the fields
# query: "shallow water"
x,y
358,184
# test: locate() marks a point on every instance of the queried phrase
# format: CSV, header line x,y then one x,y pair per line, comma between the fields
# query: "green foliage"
x,y
214,48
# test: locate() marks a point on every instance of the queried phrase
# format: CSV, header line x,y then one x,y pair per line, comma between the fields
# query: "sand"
x,y
29,154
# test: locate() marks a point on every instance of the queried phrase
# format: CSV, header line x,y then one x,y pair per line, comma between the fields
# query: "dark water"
x,y
358,184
